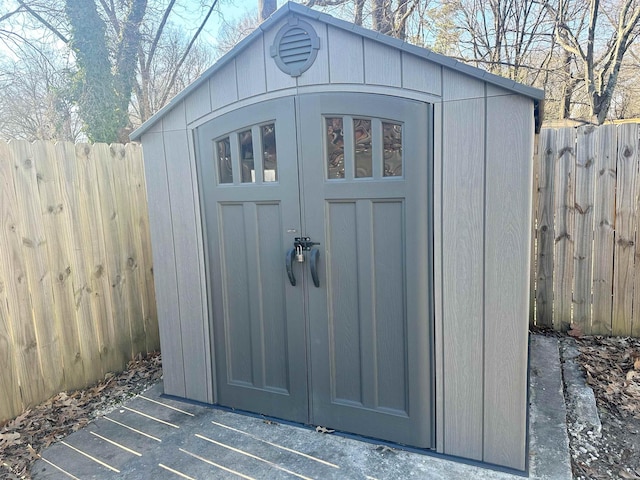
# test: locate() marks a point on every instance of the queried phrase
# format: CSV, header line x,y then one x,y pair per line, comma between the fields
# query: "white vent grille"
x,y
295,47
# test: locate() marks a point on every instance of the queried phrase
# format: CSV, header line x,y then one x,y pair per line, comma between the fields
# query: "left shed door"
x,y
249,186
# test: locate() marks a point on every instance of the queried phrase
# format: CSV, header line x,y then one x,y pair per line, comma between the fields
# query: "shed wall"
x,y
483,151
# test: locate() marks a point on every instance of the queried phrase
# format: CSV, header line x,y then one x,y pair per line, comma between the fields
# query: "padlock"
x,y
299,255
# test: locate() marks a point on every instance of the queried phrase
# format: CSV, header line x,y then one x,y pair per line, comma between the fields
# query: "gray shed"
x,y
402,179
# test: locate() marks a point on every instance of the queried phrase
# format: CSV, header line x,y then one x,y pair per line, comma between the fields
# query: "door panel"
x,y
370,322
249,186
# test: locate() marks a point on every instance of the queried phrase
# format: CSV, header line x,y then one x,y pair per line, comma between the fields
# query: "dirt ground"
x,y
612,367
22,438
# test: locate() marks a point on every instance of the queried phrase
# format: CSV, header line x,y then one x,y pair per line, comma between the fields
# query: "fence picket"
x,y
545,228
564,228
586,150
603,235
624,249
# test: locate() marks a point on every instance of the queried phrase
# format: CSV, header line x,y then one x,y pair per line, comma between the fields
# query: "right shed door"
x,y
366,197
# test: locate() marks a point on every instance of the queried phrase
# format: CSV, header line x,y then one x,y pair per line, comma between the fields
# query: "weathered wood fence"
x,y
76,282
587,257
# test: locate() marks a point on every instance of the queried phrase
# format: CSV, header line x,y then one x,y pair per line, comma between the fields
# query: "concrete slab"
x,y
156,437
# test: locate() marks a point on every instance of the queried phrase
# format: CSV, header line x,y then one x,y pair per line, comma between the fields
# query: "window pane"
x,y
392,148
246,157
223,150
270,156
362,141
335,148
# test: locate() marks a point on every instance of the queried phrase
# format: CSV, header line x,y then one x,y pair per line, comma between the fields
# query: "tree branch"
x,y
41,19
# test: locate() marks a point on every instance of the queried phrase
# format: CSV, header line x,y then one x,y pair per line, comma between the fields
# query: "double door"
x,y
318,230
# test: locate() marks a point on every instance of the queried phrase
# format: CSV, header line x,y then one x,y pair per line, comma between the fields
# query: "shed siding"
x,y
463,136
318,73
224,87
198,103
345,68
276,78
164,264
421,75
509,169
188,261
382,64
250,72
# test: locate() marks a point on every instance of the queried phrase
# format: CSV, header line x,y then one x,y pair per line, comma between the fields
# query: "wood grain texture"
x,y
603,235
462,265
587,149
114,262
251,76
21,382
224,86
506,277
276,78
626,218
187,261
57,231
40,334
175,119
140,225
382,64
345,68
78,252
545,237
198,103
564,227
318,73
95,252
422,75
438,367
164,264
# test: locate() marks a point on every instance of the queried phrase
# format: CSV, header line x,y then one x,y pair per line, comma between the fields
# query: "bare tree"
x,y
598,39
266,9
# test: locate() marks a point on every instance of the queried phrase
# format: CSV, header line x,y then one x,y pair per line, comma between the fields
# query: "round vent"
x,y
295,47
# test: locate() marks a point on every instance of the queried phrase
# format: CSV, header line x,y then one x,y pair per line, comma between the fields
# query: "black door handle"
x,y
289,263
313,264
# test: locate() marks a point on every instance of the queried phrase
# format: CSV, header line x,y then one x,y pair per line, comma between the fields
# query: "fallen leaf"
x,y
320,429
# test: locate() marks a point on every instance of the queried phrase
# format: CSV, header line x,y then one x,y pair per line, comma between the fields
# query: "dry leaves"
x,y
29,433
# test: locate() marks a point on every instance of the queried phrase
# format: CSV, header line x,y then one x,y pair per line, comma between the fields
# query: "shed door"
x,y
351,172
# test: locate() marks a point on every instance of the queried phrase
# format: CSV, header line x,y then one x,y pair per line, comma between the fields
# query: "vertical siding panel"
x,y
438,275
564,228
198,103
624,250
509,174
164,264
603,238
585,178
250,71
187,262
545,227
345,68
318,73
224,87
462,252
421,75
382,64
276,78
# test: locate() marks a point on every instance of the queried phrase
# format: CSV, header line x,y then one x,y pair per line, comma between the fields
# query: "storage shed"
x,y
341,237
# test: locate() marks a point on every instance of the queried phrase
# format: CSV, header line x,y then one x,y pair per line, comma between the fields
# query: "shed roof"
x,y
302,11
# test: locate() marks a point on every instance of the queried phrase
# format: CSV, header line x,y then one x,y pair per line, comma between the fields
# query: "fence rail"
x,y
76,280
587,229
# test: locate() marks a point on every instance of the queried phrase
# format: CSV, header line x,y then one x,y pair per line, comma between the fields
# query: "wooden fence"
x,y
587,230
76,282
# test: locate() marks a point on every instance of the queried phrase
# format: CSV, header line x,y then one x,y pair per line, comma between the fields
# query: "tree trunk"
x,y
266,8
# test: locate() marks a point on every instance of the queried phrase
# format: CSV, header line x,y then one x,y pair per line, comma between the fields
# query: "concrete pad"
x,y
214,443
